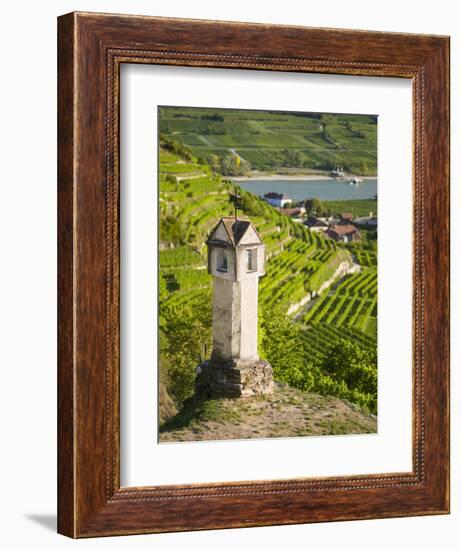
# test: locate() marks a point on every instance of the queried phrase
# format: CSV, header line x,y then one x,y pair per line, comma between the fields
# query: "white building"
x,y
277,199
367,221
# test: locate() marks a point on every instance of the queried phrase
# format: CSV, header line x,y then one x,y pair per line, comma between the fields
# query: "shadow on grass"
x,y
196,410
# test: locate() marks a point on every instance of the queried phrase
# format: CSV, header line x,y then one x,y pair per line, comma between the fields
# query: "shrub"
x,y
355,367
188,336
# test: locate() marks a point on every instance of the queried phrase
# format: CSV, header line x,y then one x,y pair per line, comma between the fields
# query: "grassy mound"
x,y
288,412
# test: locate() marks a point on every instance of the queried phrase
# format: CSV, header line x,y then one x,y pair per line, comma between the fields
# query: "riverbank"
x,y
303,189
261,176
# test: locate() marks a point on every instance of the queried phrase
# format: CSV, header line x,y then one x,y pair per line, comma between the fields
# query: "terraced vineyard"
x,y
353,304
320,337
300,269
268,140
299,264
190,208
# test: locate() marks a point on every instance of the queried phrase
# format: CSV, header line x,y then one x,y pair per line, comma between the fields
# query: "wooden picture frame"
x,y
92,48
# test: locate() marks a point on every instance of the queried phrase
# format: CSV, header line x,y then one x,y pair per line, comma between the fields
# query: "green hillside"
x,y
240,140
327,345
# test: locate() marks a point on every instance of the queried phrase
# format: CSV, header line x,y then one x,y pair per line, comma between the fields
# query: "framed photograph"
x,y
253,275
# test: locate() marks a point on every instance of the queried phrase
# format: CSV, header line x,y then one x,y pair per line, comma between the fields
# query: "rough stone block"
x,y
233,378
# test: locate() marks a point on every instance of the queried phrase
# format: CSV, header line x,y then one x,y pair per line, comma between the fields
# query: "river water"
x,y
299,190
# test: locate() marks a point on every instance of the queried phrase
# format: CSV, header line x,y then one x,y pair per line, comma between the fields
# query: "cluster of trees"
x,y
251,205
348,371
171,230
315,207
216,117
291,158
184,342
210,129
175,147
228,165
361,168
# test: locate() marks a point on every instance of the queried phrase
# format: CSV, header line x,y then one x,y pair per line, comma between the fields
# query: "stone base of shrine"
x,y
233,378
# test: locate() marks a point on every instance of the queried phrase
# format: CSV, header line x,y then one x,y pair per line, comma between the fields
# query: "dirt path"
x,y
300,308
190,177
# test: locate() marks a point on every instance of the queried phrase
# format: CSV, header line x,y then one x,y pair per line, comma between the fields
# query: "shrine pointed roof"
x,y
234,231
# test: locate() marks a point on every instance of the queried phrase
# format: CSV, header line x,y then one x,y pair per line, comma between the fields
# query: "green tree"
x,y
281,346
188,334
250,204
171,230
364,168
356,368
214,162
314,207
